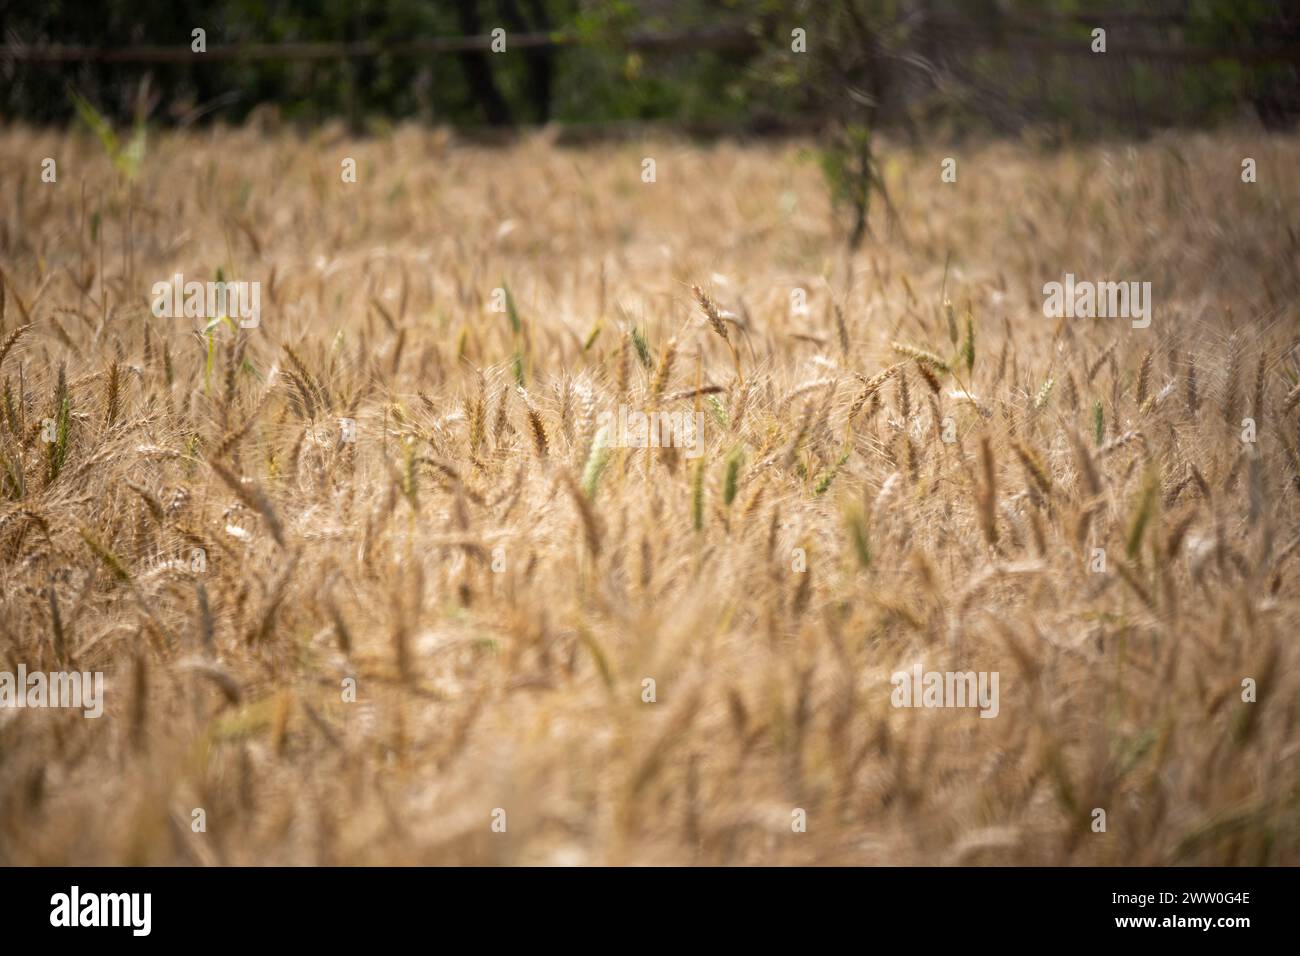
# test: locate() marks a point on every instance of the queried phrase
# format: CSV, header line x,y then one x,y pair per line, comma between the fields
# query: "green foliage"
x,y
869,63
968,344
126,159
57,450
596,462
845,164
731,481
642,349
858,534
697,496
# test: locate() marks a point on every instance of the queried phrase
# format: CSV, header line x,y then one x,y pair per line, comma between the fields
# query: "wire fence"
x,y
1008,71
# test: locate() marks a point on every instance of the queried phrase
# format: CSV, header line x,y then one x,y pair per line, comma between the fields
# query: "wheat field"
x,y
439,616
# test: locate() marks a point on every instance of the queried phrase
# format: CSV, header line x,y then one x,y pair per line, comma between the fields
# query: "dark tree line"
x,y
868,63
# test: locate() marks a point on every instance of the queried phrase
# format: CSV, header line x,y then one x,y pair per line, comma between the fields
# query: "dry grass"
x,y
521,688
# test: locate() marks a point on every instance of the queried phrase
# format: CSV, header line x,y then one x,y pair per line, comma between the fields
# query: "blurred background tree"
x,y
845,69
997,64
